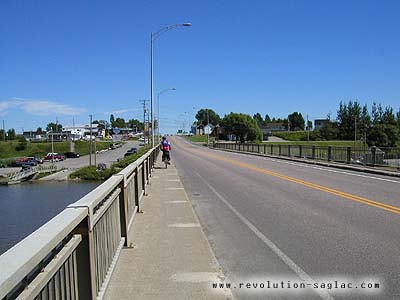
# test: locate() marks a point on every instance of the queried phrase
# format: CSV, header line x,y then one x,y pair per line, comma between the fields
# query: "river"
x,y
25,207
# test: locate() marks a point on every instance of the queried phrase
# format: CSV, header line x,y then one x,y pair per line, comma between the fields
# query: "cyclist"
x,y
165,148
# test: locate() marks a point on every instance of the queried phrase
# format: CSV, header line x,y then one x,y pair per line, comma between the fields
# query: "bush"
x,y
91,173
22,144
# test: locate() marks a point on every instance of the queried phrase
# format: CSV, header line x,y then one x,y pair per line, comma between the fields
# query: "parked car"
x,y
30,163
71,154
38,160
55,156
101,166
130,152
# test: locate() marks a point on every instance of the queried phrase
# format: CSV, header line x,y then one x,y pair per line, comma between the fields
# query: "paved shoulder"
x,y
171,257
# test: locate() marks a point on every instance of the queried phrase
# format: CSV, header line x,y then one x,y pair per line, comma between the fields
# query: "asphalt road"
x,y
274,220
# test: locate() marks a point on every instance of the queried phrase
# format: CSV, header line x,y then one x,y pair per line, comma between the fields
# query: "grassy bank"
x,y
197,138
320,143
90,173
8,149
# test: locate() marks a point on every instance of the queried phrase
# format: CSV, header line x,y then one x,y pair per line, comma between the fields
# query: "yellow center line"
x,y
325,189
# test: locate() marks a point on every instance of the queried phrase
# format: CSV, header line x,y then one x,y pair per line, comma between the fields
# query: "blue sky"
x,y
65,60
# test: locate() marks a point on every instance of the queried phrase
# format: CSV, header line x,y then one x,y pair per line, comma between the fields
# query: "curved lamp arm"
x,y
155,35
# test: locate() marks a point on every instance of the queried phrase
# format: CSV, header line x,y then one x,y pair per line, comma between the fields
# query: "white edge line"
x,y
286,259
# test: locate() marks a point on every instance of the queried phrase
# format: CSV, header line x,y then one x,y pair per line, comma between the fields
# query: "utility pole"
x,y
90,142
95,153
208,131
144,120
4,132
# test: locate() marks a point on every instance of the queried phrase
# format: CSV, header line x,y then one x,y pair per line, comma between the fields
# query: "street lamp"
x,y
158,109
153,37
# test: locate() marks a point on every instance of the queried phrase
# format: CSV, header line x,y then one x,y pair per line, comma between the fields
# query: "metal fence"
x,y
372,156
73,255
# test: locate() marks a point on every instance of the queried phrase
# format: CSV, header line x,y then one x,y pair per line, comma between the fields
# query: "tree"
x,y
205,114
365,123
133,123
349,116
244,127
398,119
267,119
112,119
54,127
329,131
11,134
296,121
102,124
119,122
257,117
39,130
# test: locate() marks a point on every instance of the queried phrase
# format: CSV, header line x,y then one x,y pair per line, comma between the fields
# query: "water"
x,y
25,207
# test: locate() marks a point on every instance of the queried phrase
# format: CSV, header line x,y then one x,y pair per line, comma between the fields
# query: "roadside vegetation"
x,y
320,143
198,138
354,125
21,148
92,173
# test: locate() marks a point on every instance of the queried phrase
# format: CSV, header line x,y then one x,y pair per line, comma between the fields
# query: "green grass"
x,y
320,143
90,173
292,136
198,138
8,149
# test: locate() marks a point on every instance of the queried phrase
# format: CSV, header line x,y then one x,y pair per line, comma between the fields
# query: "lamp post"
x,y
153,37
158,108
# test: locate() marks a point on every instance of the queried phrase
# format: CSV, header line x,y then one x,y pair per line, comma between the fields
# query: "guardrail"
x,y
373,156
73,255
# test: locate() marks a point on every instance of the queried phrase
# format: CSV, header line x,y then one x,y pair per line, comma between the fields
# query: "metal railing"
x,y
372,156
73,255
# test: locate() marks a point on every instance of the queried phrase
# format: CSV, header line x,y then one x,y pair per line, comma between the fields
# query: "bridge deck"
x,y
171,257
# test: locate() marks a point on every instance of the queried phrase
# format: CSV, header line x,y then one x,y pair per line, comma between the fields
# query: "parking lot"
x,y
107,157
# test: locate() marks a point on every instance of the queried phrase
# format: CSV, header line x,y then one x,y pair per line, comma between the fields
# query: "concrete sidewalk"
x,y
171,257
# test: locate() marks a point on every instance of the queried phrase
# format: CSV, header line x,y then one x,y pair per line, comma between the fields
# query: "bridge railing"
x,y
73,255
372,156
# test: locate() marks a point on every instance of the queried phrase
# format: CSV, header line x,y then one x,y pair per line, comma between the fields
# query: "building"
x,y
208,129
319,123
78,132
34,136
274,127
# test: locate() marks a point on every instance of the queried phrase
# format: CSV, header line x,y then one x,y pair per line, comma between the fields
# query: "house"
x,y
208,129
319,123
199,130
273,127
34,136
54,136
